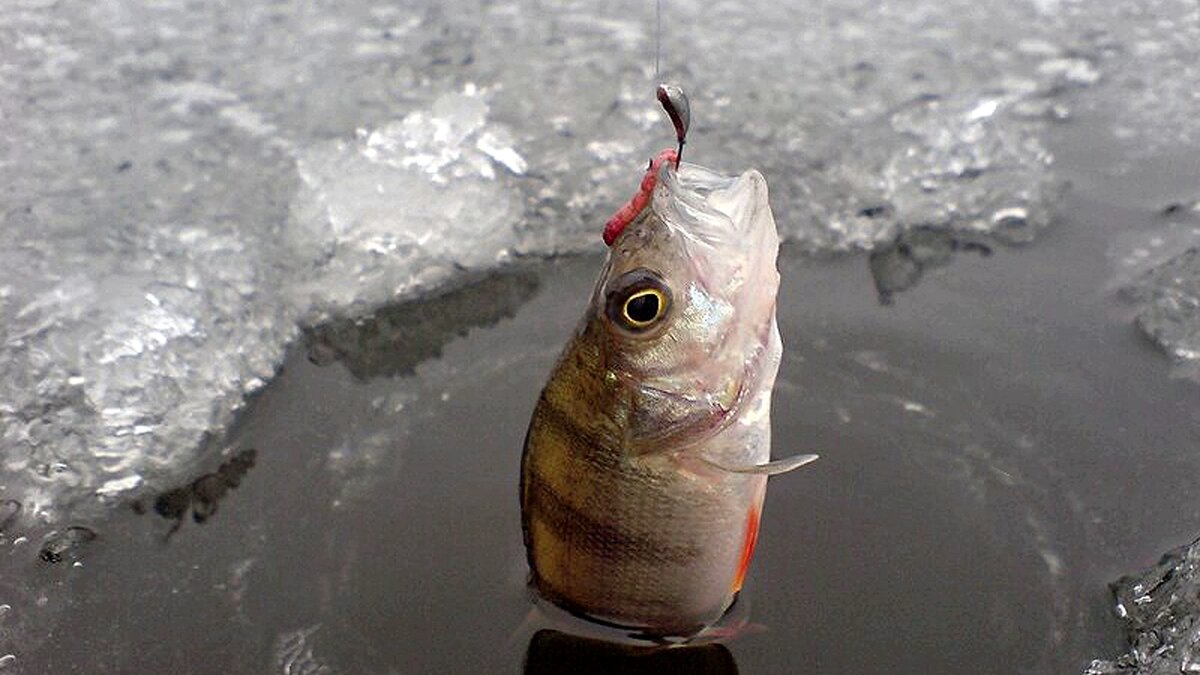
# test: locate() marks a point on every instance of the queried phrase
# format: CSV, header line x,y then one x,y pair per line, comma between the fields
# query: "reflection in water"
x,y
64,542
553,653
9,510
395,339
202,495
900,265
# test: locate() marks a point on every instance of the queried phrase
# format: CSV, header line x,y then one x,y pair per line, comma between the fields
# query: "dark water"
x,y
998,443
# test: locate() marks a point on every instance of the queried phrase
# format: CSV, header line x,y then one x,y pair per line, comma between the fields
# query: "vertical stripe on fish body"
x,y
631,513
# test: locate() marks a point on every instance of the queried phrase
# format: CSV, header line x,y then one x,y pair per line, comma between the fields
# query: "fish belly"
x,y
634,541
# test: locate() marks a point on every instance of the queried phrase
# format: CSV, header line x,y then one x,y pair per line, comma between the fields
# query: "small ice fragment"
x,y
1010,221
1072,71
119,485
491,145
1100,667
61,543
1169,294
294,653
983,110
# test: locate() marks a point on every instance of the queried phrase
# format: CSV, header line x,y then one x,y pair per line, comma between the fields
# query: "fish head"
x,y
687,302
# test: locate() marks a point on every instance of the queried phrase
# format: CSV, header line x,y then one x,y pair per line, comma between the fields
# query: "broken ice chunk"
x,y
1161,608
1169,295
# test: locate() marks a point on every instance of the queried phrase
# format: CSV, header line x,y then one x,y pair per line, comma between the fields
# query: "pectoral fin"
x,y
769,469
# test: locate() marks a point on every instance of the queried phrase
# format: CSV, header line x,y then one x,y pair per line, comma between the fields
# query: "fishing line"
x,y
657,36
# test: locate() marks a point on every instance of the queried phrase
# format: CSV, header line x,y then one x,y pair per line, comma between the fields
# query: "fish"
x,y
645,464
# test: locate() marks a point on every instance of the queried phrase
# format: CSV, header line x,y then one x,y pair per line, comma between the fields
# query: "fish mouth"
x,y
727,232
712,207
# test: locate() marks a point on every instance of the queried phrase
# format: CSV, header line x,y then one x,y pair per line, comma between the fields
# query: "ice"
x,y
405,207
63,543
1147,51
184,187
294,654
1168,296
1160,607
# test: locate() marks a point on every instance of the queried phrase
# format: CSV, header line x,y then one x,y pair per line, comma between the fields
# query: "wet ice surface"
x,y
379,533
183,184
962,518
1169,298
187,189
1161,605
1161,608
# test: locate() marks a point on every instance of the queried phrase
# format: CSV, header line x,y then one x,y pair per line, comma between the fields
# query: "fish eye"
x,y
639,301
644,307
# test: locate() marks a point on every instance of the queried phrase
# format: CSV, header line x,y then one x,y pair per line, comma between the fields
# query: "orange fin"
x,y
748,542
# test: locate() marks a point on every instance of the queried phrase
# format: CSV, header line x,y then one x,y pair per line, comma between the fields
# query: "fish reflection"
x,y
554,653
901,265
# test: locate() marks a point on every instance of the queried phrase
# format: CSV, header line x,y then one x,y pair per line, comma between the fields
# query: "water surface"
x,y
998,443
